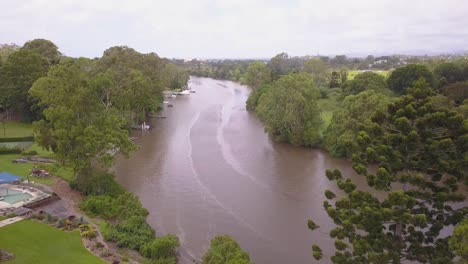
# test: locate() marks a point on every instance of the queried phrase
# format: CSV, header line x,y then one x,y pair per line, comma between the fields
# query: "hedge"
x,y
9,151
17,139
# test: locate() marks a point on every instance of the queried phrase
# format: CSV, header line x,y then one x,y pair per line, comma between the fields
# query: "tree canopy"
x,y
45,48
422,148
225,250
365,81
402,78
289,110
257,74
319,70
76,125
17,75
354,113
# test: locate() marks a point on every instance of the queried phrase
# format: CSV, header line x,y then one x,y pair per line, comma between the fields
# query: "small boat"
x,y
192,91
185,92
170,105
165,102
173,96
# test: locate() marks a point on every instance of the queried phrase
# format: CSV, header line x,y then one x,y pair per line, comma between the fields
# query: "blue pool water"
x,y
13,196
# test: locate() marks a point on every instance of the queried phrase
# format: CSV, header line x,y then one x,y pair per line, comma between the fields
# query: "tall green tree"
x,y
404,77
365,81
319,70
6,50
334,79
45,48
17,75
448,73
459,241
279,65
355,112
419,153
76,125
289,110
225,250
257,74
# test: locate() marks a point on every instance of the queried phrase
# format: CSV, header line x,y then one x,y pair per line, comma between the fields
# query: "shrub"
x,y
122,207
60,223
132,233
89,234
29,153
98,183
161,248
99,245
224,249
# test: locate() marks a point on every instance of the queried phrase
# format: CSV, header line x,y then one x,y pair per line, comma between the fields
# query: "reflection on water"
x,y
209,168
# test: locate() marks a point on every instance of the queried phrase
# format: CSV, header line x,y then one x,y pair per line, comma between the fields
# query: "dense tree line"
x,y
407,130
82,110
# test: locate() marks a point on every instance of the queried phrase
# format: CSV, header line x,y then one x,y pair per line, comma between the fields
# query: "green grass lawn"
x,y
38,243
15,129
353,73
24,169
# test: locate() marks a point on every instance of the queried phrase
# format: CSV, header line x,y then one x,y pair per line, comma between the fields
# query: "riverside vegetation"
x,y
82,110
409,122
411,125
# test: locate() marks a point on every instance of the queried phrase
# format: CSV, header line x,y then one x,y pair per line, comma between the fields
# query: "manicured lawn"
x,y
34,242
15,129
24,169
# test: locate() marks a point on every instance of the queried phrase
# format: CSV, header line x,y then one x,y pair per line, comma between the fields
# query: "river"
x,y
209,169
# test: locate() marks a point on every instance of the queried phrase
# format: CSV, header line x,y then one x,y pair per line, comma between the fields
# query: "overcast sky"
x,y
239,28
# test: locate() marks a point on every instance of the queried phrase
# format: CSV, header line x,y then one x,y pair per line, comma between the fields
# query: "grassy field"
x,y
15,129
353,73
34,242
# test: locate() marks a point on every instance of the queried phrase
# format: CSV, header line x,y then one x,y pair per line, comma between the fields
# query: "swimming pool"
x,y
13,196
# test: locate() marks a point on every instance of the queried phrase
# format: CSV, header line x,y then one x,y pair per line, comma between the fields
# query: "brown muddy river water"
x,y
209,169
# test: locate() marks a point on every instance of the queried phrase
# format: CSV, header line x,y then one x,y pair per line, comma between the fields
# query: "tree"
x,y
365,81
257,74
319,70
458,91
459,241
19,72
355,112
6,50
335,80
76,125
289,110
421,148
255,95
448,73
279,65
45,48
225,250
404,77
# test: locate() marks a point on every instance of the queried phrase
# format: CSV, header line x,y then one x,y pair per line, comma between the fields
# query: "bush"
x,y
122,207
224,249
132,233
60,223
29,153
89,234
161,248
98,183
